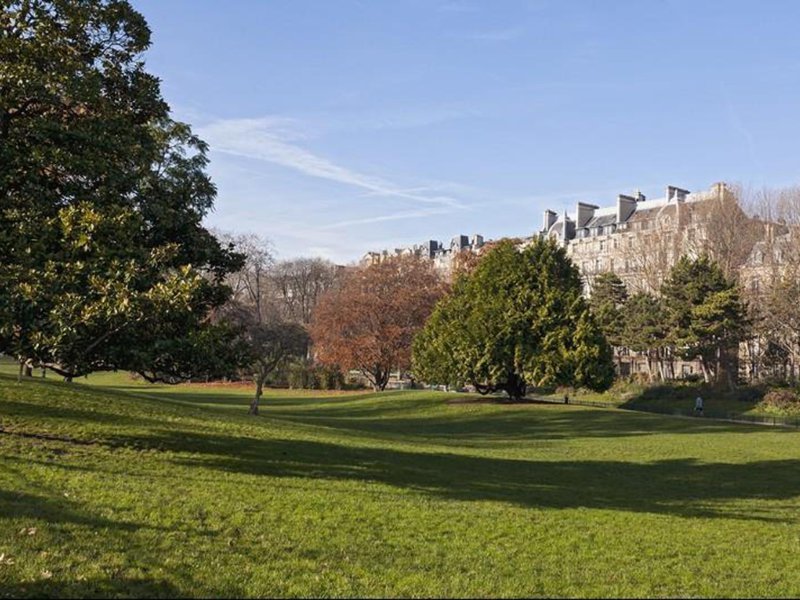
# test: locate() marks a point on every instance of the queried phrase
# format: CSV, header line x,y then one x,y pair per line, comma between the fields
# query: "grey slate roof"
x,y
601,221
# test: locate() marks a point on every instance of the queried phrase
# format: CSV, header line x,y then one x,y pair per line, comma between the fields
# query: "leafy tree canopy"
x,y
607,300
103,257
705,314
368,322
517,319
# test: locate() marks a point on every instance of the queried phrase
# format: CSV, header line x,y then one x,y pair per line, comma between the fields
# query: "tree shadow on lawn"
x,y
682,487
310,401
22,505
54,510
92,588
720,402
32,410
505,424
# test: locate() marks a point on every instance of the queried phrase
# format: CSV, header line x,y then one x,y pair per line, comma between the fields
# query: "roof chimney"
x,y
550,217
626,205
676,193
585,213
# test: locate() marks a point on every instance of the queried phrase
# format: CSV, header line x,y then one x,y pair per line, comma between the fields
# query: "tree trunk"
x,y
380,378
259,392
704,368
516,387
21,370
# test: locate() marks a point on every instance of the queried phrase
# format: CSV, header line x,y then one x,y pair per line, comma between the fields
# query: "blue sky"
x,y
341,126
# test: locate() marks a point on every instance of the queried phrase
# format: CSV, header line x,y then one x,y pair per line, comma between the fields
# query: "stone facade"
x,y
640,240
442,256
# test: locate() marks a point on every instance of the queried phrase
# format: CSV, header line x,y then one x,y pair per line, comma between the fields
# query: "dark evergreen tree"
x,y
645,330
705,314
607,301
517,319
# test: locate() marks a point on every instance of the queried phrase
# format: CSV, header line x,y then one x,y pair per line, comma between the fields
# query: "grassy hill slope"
x,y
121,488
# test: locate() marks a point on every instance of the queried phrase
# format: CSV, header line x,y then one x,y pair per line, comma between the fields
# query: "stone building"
x,y
636,238
442,256
640,239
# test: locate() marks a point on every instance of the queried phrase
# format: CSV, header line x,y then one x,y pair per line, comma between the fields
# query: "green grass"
x,y
678,398
121,488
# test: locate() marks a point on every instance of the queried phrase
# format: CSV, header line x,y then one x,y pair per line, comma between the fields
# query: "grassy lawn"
x,y
678,398
122,488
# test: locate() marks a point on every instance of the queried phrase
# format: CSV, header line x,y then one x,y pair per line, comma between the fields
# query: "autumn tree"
x,y
368,322
518,319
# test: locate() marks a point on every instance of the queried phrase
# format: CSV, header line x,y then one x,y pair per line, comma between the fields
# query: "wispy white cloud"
x,y
411,214
393,118
274,140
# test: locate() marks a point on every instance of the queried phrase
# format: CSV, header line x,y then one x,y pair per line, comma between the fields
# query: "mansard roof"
x,y
601,221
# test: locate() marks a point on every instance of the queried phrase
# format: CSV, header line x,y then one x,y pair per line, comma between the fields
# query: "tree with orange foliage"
x,y
369,322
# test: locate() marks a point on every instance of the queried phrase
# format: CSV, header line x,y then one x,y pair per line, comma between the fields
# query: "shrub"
x,y
303,375
784,400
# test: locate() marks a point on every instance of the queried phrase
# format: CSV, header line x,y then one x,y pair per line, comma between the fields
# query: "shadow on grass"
x,y
21,505
678,399
676,487
51,506
74,414
92,588
505,424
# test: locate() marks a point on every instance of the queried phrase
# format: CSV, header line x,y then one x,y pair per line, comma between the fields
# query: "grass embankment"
x,y
678,398
139,490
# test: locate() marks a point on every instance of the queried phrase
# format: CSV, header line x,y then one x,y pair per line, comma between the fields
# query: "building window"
x,y
686,370
602,245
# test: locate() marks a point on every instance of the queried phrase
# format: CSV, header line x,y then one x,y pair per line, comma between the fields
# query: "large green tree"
x,y
607,302
104,262
645,330
706,315
517,319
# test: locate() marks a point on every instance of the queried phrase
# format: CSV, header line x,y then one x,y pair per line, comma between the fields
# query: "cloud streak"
x,y
273,140
412,214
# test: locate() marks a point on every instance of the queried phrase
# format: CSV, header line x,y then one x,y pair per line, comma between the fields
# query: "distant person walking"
x,y
698,406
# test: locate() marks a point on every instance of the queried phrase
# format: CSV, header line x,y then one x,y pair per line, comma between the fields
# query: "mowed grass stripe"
x,y
399,494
